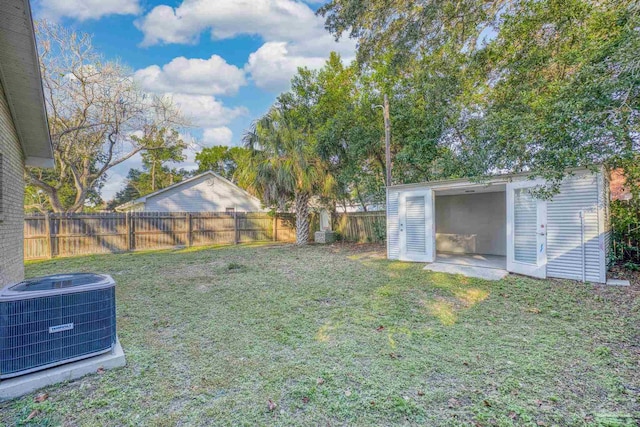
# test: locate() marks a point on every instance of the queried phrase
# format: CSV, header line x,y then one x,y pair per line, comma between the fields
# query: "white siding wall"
x,y
393,245
583,192
605,198
206,194
564,250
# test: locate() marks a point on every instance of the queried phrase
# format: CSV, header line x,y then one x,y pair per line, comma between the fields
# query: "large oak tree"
x,y
98,117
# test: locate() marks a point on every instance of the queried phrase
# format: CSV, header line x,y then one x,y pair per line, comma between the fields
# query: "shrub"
x,y
379,231
625,228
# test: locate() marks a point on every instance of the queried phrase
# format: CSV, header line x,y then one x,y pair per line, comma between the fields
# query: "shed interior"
x,y
471,226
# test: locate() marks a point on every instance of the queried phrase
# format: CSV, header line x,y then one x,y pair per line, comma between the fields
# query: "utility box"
x,y
324,237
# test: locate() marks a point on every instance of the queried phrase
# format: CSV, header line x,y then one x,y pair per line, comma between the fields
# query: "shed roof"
x,y
487,180
22,82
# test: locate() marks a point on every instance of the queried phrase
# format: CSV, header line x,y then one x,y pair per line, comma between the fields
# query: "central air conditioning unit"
x,y
53,320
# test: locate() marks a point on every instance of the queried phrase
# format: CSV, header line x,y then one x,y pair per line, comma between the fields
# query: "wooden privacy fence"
x,y
361,227
60,235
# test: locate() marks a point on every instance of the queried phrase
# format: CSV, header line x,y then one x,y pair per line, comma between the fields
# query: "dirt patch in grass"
x,y
338,335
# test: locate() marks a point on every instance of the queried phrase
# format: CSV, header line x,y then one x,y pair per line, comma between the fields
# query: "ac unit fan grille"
x,y
46,331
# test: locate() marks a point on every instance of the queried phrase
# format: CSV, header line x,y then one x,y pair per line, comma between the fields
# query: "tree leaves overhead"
x,y
509,86
223,160
410,28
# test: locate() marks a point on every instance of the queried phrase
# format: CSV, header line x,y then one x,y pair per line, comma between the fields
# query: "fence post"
x,y
132,231
49,230
236,239
189,230
127,222
275,227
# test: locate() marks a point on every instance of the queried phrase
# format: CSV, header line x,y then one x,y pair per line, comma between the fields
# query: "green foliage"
x,y
284,166
625,214
602,351
235,266
380,231
625,228
283,161
349,126
537,86
37,200
222,160
98,119
164,146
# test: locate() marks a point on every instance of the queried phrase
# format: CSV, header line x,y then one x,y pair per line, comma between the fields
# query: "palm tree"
x,y
285,165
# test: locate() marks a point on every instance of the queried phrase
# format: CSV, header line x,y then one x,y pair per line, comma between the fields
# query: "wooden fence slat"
x,y
59,235
361,226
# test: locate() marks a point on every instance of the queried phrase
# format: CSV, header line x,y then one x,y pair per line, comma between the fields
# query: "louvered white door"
x,y
416,226
526,230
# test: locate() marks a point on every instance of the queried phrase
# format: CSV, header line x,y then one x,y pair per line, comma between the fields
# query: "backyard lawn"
x,y
281,335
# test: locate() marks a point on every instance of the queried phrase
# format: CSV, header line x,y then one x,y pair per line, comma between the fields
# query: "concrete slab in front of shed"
x,y
618,282
467,270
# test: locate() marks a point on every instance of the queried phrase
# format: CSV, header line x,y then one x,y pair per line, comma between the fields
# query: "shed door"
x,y
526,230
416,226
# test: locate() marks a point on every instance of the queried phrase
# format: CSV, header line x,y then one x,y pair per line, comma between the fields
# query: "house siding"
x,y
206,194
12,215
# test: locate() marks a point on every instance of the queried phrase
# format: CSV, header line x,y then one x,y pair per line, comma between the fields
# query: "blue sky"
x,y
223,61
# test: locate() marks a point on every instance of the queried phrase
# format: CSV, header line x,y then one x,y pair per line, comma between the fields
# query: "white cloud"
x,y
271,66
294,36
217,136
205,111
213,76
85,9
270,19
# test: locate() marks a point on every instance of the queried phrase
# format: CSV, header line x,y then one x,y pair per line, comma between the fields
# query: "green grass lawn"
x,y
341,336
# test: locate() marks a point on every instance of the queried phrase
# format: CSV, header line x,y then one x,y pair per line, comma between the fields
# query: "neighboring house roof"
x,y
22,82
143,199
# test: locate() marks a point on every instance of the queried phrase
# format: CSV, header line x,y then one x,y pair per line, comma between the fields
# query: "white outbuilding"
x,y
206,192
500,224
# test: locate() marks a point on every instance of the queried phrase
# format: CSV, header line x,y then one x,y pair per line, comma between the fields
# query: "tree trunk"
x,y
302,218
153,176
54,200
362,203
